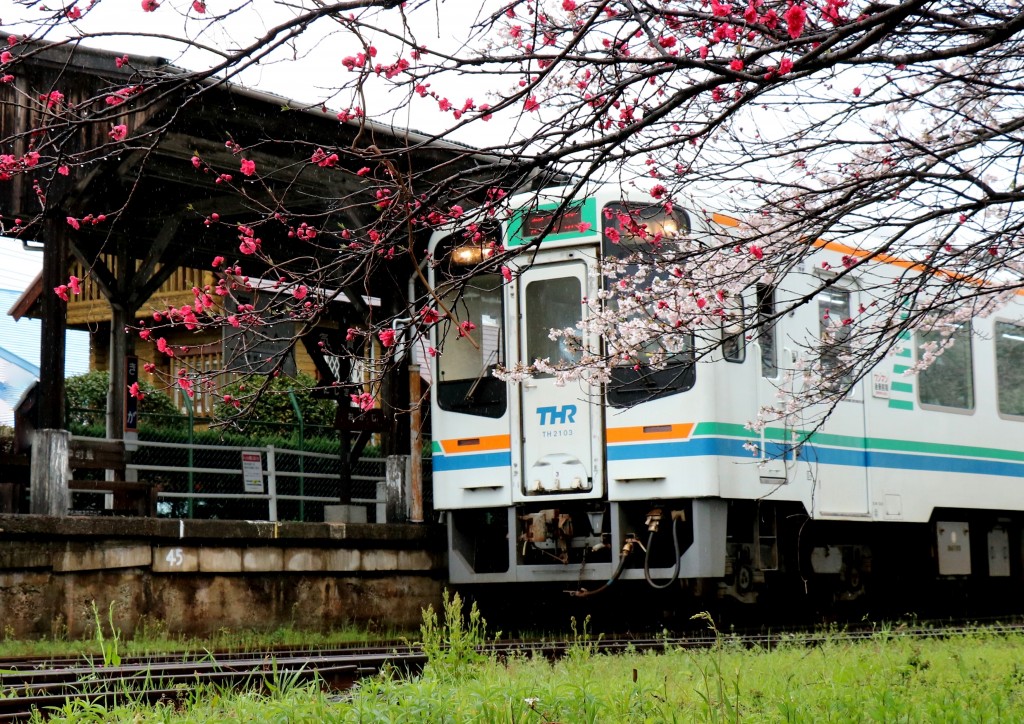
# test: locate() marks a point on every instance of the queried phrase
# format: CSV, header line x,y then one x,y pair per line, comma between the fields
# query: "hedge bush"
x,y
274,404
86,401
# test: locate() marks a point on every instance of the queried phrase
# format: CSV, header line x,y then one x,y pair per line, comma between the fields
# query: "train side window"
x,y
766,330
734,343
948,381
834,317
1010,368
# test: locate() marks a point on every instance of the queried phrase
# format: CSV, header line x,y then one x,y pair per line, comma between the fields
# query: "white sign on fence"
x,y
252,471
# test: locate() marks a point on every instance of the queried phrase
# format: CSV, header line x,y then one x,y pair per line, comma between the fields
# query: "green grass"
x,y
974,677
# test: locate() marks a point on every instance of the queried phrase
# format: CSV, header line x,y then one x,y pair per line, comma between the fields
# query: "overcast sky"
x,y
306,73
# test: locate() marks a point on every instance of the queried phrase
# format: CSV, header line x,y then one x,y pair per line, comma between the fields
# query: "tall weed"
x,y
453,647
721,698
109,647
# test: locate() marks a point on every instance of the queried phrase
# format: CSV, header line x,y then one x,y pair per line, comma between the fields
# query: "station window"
x,y
1010,368
834,320
766,330
632,231
465,380
949,380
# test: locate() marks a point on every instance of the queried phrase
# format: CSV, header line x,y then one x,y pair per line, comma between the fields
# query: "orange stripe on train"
x,y
476,444
898,262
641,433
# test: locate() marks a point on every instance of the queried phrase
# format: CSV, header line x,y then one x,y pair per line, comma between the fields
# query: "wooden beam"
x,y
153,254
296,172
149,287
102,275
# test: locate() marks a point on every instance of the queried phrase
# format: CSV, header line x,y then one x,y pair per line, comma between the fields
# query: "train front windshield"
x,y
552,304
634,233
474,342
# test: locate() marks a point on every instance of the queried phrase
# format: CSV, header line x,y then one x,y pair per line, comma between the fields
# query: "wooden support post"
x,y
119,318
122,314
54,325
397,467
415,445
345,467
49,474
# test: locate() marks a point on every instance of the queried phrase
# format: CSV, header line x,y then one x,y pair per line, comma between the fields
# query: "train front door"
x,y
561,441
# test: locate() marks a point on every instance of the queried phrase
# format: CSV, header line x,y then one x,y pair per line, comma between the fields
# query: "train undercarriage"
x,y
762,556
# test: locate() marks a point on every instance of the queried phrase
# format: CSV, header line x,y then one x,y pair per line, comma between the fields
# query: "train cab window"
x,y
834,320
1010,368
465,380
949,380
766,330
630,228
552,304
631,233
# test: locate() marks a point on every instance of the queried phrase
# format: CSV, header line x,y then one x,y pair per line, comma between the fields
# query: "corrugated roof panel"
x,y
21,338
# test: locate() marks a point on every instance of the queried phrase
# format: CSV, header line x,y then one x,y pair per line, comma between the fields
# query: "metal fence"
x,y
199,472
252,483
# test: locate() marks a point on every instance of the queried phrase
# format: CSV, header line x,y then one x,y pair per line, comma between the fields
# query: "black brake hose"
x,y
626,549
647,560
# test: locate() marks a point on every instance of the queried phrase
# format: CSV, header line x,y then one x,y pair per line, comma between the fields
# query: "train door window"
x,y
834,318
734,344
632,233
1010,368
766,330
553,304
465,380
948,382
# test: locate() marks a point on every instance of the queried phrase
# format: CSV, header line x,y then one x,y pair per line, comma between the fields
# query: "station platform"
x,y
195,577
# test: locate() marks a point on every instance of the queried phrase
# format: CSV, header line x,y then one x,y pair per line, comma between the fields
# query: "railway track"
x,y
42,684
28,684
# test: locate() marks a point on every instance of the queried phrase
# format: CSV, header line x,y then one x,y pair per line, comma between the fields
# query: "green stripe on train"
x,y
778,434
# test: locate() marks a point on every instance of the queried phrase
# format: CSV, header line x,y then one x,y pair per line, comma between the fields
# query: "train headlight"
x,y
669,228
471,254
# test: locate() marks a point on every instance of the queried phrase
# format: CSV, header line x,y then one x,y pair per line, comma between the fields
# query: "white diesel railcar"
x,y
655,477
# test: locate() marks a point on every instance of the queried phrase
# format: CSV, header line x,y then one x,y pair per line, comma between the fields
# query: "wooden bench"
x,y
130,498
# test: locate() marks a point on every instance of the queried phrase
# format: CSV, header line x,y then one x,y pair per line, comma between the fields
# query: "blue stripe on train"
x,y
822,455
691,448
730,447
471,462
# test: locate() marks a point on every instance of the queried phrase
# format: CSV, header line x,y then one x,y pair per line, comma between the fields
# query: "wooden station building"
x,y
156,243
